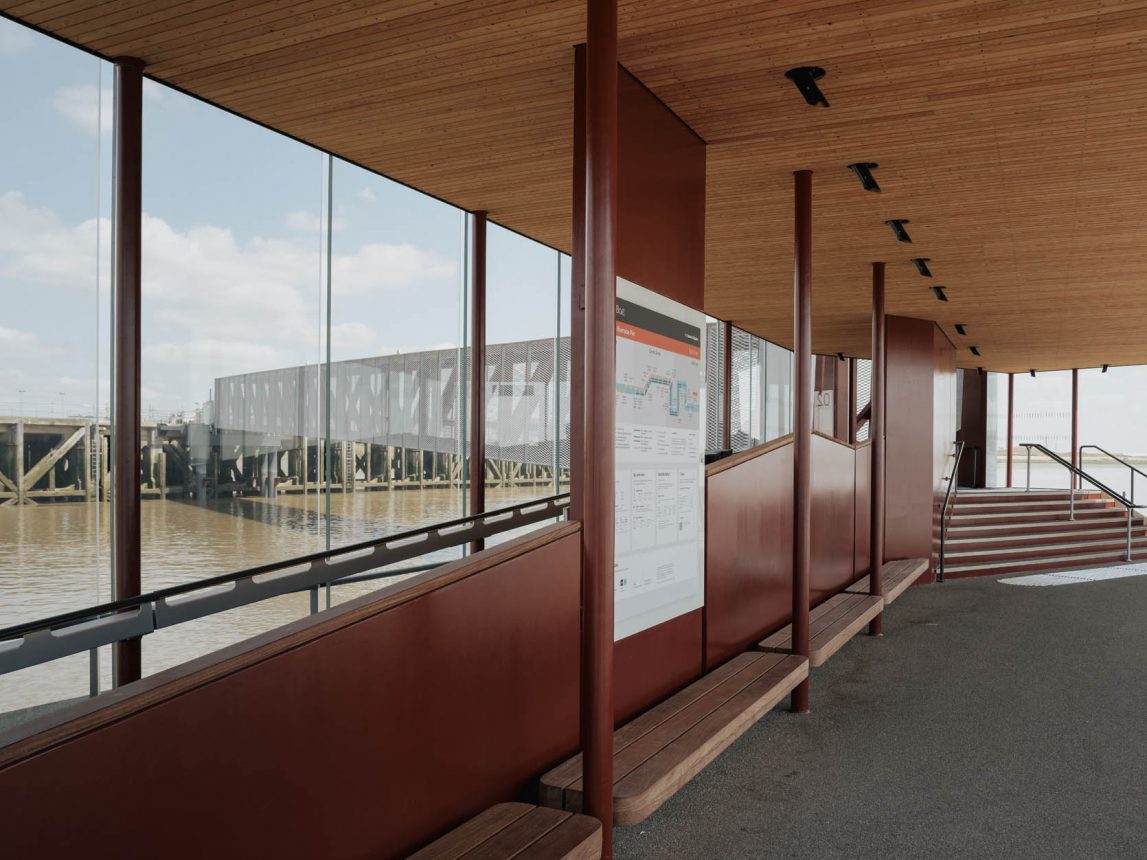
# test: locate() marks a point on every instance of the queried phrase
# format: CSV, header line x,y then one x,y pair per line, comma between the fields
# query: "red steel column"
x,y
1075,482
852,401
127,655
876,433
1011,422
802,424
478,372
577,297
598,502
727,387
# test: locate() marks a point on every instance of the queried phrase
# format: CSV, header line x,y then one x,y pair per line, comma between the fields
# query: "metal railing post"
x,y
1071,508
1130,520
1029,450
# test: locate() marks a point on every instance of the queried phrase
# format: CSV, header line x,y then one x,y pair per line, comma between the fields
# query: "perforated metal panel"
x,y
863,393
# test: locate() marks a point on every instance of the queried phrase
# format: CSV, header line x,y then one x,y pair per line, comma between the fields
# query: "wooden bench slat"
x,y
896,577
576,838
827,613
518,835
556,780
640,793
831,624
666,748
658,737
474,832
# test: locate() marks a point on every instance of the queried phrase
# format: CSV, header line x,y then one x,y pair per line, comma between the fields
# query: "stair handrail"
x,y
949,495
1079,473
1117,459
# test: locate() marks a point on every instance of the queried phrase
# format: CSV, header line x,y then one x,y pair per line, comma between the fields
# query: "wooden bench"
x,y
831,624
657,753
521,831
895,578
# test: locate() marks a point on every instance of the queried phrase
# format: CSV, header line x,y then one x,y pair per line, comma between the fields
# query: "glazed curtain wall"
x,y
305,354
55,317
761,389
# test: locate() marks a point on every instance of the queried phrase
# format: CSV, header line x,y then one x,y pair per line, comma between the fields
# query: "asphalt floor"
x,y
989,721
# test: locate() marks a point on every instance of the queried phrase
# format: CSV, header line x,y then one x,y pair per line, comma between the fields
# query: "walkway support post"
x,y
128,130
598,463
478,372
726,386
876,433
1011,423
802,424
1075,482
852,401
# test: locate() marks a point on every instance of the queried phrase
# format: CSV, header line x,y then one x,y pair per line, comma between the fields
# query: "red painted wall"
x,y
863,513
660,197
909,435
748,549
833,517
651,665
364,731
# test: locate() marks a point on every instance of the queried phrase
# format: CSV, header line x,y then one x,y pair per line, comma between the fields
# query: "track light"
x,y
1032,372
863,171
979,371
897,225
975,350
921,264
939,292
1104,369
805,77
840,356
960,329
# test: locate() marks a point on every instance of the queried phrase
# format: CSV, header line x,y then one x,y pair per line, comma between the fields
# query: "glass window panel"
x,y
233,321
55,170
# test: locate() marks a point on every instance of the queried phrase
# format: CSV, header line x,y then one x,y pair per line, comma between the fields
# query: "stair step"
x,y
1116,545
1012,537
1071,562
1023,495
966,519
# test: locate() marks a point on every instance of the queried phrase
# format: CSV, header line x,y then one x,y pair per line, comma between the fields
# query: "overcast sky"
x,y
234,274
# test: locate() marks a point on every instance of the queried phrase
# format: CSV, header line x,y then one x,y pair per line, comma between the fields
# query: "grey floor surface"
x,y
990,721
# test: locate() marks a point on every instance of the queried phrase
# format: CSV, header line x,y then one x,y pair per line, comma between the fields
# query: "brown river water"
x,y
55,558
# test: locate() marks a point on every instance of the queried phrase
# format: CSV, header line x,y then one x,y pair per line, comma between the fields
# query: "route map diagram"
x,y
659,501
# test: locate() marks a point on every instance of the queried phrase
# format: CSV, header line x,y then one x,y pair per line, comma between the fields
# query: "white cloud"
x,y
21,345
366,193
215,305
304,222
14,39
378,267
85,106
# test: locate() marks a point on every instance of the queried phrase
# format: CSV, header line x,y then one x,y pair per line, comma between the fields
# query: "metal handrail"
x,y
1117,459
1077,472
948,494
46,639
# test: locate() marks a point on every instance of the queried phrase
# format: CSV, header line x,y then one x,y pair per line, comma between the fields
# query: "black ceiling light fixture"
x,y
939,293
979,371
921,264
863,171
975,350
897,225
1032,371
960,329
840,355
805,77
1104,369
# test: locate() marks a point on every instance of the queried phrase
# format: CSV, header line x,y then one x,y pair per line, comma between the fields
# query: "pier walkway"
x,y
912,749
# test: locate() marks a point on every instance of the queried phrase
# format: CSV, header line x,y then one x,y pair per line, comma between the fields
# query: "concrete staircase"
x,y
1013,531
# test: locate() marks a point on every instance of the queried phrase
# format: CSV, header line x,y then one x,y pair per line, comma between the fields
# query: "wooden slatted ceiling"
x,y
1009,133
